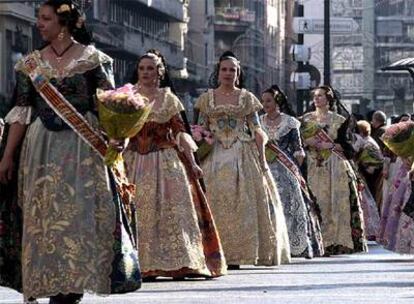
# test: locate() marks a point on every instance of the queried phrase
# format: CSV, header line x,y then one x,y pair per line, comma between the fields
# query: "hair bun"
x,y
275,88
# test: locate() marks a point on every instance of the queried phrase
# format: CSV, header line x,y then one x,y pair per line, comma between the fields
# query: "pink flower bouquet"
x,y
122,114
204,140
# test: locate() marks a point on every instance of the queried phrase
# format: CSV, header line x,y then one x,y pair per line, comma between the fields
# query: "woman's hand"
x,y
119,145
6,170
197,171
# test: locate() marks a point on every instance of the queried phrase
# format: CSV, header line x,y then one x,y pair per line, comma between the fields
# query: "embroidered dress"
x,y
10,230
70,212
393,205
243,198
302,222
177,235
333,182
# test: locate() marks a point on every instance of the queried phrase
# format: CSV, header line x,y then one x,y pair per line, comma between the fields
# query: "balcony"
x,y
174,9
233,19
18,10
135,42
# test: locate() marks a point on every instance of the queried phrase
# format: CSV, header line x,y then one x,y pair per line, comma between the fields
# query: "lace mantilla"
x,y
171,106
91,58
247,104
286,124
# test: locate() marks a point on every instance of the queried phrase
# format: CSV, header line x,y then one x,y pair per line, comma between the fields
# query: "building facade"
x,y
394,24
123,29
127,29
255,31
16,38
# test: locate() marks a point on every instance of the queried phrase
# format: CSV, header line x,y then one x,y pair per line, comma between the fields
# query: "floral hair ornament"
x,y
157,59
64,8
158,62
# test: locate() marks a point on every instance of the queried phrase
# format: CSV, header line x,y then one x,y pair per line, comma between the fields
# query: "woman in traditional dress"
x,y
284,139
177,235
240,187
370,161
398,194
331,177
72,215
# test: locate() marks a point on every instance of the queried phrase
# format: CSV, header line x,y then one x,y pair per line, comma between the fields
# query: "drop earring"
x,y
61,35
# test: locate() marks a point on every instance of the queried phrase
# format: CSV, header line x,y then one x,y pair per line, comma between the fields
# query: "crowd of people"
x,y
271,186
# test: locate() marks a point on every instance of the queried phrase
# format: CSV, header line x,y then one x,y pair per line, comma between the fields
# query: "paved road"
x,y
379,277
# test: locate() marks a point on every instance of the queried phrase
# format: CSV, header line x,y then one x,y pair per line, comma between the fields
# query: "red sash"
x,y
323,136
290,166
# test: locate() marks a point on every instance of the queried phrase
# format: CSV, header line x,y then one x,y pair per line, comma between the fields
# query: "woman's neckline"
x,y
239,96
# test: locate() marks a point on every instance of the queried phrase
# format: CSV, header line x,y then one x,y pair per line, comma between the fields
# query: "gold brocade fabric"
x,y
170,240
329,182
68,213
244,200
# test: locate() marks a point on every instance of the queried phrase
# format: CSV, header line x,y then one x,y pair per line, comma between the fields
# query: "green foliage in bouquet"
x,y
399,138
120,126
122,114
271,156
204,149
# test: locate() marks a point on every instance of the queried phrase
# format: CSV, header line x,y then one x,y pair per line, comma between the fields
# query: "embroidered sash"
x,y
323,136
273,152
67,112
64,109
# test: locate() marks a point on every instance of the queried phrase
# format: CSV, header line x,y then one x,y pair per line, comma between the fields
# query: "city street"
x,y
377,277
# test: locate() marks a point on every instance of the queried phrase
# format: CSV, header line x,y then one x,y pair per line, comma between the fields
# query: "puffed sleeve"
x,y
23,101
177,124
104,76
251,108
180,134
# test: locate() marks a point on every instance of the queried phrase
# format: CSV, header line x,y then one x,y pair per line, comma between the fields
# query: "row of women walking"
x,y
67,226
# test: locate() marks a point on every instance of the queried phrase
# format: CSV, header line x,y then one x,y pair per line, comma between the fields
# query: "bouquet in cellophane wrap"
x,y
399,138
204,140
122,114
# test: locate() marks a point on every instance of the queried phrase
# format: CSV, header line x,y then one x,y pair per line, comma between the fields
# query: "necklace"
x,y
227,93
60,55
273,119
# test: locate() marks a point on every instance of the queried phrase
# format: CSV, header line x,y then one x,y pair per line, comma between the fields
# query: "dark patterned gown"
x,y
303,226
73,235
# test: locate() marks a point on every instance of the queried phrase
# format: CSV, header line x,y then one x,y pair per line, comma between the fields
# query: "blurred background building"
x,y
394,28
16,39
192,34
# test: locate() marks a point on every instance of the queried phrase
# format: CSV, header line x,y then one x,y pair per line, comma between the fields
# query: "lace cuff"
x,y
182,136
19,114
299,153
